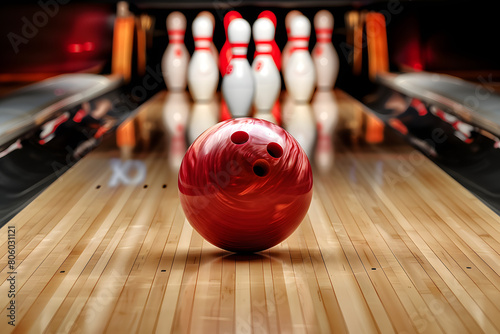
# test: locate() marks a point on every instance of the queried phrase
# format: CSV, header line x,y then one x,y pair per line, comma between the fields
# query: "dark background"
x,y
456,37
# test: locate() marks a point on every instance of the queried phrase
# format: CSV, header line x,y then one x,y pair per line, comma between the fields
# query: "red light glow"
x,y
88,46
81,47
417,67
75,48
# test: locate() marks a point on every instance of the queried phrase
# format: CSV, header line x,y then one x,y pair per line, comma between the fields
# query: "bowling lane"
x,y
390,243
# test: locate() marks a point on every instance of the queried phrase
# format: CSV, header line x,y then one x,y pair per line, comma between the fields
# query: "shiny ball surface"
x,y
245,185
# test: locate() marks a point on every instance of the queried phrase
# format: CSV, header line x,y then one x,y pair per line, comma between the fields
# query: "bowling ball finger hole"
x,y
239,137
274,150
261,168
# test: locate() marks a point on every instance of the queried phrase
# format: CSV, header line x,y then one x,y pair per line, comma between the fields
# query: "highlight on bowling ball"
x,y
245,185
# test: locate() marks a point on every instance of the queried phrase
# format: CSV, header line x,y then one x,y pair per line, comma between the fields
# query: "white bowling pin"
x,y
203,74
213,48
175,60
285,54
266,74
326,112
203,116
14,146
324,55
238,84
302,126
300,74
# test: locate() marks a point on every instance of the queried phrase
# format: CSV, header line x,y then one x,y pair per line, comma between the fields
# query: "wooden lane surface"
x,y
391,244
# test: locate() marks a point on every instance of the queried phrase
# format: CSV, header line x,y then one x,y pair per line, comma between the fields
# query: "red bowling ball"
x,y
245,185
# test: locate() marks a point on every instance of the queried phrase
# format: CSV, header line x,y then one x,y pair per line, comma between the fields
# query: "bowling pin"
x,y
203,116
275,53
285,55
324,55
300,74
14,146
326,113
302,126
225,53
463,131
175,60
266,74
49,129
175,120
203,75
238,85
213,48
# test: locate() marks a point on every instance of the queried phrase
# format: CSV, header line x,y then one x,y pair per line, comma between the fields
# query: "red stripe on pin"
x,y
263,42
176,32
299,49
80,114
263,53
199,48
198,39
324,31
102,130
239,56
239,45
323,40
299,38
